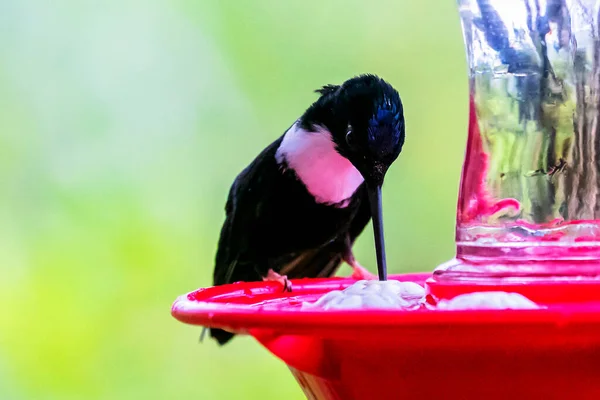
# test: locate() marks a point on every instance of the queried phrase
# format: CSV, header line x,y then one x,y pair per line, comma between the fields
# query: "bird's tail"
x,y
220,335
204,329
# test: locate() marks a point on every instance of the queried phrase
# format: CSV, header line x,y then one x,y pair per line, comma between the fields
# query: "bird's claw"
x,y
287,285
360,273
273,276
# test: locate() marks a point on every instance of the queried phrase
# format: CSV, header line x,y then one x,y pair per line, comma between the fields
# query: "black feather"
x,y
327,89
221,336
273,222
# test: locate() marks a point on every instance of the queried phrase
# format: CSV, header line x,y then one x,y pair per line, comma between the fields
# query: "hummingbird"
x,y
296,210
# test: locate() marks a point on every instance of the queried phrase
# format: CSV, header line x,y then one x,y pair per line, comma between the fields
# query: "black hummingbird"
x,y
297,209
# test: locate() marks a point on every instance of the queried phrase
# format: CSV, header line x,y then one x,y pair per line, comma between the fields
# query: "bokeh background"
x,y
123,123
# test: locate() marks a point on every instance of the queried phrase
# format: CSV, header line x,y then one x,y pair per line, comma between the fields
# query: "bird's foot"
x,y
273,276
360,273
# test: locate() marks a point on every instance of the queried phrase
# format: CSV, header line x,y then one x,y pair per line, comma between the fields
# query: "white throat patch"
x,y
328,176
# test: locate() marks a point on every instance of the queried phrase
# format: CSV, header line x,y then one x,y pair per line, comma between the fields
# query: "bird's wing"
x,y
321,262
244,207
242,210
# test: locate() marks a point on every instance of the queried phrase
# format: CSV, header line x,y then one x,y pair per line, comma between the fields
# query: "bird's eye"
x,y
350,138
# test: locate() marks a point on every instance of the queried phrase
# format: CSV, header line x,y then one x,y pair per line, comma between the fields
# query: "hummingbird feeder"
x,y
528,225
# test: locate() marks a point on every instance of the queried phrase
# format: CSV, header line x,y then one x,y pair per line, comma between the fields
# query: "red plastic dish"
x,y
389,354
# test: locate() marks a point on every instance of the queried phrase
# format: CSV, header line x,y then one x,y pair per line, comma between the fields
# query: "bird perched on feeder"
x,y
297,209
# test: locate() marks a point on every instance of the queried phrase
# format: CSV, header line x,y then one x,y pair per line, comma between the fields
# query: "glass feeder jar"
x,y
529,201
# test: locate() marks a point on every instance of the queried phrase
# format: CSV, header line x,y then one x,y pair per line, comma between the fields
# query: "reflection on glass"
x,y
531,178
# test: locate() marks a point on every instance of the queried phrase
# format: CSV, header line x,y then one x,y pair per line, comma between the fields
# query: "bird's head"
x,y
365,118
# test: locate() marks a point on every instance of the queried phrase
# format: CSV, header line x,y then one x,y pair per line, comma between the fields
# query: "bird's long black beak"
x,y
377,214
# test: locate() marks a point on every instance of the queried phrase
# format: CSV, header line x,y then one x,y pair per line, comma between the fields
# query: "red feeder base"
x,y
551,353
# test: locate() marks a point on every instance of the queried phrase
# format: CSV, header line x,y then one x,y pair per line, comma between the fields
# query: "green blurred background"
x,y
124,123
